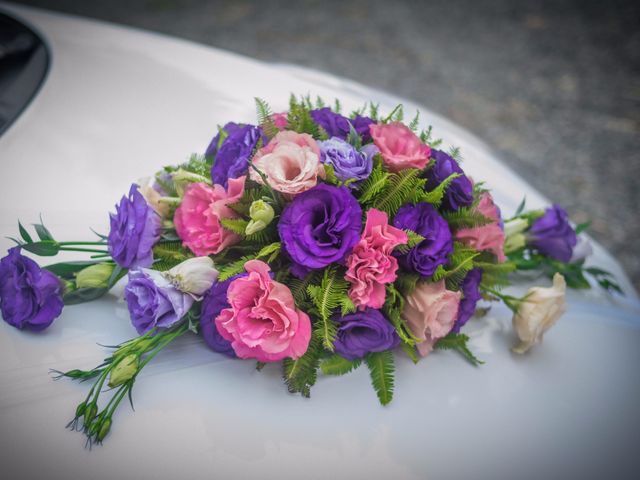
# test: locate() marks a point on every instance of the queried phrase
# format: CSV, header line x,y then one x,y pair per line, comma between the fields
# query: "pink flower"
x,y
263,321
197,219
431,311
370,265
290,161
488,237
399,146
280,120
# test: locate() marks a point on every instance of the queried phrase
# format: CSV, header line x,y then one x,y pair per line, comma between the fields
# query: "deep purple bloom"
x,y
425,220
361,124
364,332
470,287
552,235
333,123
320,226
30,297
153,301
135,228
347,162
231,160
459,193
213,303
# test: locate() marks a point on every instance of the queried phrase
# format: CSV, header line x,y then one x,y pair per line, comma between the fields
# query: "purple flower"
x,y
333,123
361,124
470,287
552,235
347,162
364,332
425,220
30,297
320,226
153,301
231,160
135,228
213,303
459,193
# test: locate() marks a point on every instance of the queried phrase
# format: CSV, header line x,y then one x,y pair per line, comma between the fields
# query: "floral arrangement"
x,y
313,239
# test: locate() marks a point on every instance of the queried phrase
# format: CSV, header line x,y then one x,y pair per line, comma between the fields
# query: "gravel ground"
x,y
552,86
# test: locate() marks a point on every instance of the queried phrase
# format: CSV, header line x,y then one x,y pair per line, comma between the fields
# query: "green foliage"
x,y
330,175
465,217
494,275
337,365
454,152
235,225
426,136
461,261
301,374
458,342
406,282
197,164
435,196
396,115
269,252
298,288
374,111
413,240
169,254
381,370
581,227
299,117
392,309
375,183
415,122
399,189
265,118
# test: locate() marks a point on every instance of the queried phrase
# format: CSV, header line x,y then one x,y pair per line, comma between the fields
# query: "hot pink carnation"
x,y
197,219
290,161
431,311
280,120
399,146
263,321
488,237
370,265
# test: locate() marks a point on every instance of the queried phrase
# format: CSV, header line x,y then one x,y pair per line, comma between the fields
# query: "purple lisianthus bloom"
x,y
361,125
470,287
153,301
320,226
213,303
459,193
135,228
552,235
231,160
364,332
425,220
347,162
30,297
333,123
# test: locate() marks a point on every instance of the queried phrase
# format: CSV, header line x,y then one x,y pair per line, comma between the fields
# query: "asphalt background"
x,y
552,86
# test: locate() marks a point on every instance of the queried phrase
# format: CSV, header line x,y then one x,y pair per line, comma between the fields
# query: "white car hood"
x,y
118,104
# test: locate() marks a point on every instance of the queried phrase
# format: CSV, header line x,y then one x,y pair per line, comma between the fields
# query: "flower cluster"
x,y
312,238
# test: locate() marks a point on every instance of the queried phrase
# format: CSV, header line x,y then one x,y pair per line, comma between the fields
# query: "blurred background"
x,y
552,86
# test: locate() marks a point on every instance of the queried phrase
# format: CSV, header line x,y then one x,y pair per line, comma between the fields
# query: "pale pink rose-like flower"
x,y
399,146
280,120
371,265
291,163
431,311
197,219
488,237
263,321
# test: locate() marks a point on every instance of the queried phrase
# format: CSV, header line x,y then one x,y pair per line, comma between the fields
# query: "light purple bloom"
x,y
153,301
30,297
347,162
135,228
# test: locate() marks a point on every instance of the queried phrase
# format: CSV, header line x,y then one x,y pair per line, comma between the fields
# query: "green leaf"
x,y
415,122
374,184
410,350
46,248
458,342
169,254
265,118
301,374
43,233
520,208
382,369
465,217
581,227
399,189
83,295
235,225
435,196
413,240
68,270
330,175
229,270
337,365
24,234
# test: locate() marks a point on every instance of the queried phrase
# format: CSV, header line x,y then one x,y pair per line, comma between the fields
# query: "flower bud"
x,y
90,413
194,276
261,214
104,429
517,225
80,409
182,178
514,242
124,370
153,198
95,276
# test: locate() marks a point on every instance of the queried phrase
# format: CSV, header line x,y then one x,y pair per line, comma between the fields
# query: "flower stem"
x,y
84,250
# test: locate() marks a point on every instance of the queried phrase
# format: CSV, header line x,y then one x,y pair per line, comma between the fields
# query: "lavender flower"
x,y
347,162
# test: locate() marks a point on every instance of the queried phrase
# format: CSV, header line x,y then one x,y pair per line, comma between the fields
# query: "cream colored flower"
x,y
152,196
539,311
194,276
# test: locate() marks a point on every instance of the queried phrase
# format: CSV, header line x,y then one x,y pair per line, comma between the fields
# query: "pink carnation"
x,y
370,265
280,120
399,146
263,321
290,161
488,237
431,311
197,219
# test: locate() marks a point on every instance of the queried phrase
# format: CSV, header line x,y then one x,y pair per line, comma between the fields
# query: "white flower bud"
x,y
182,178
194,276
152,196
514,242
261,214
94,276
515,226
539,311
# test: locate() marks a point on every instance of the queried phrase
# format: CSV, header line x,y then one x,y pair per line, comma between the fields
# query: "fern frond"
x,y
374,184
435,196
392,309
396,115
337,365
454,152
169,254
400,188
381,370
458,342
265,118
413,240
300,375
299,118
465,217
373,110
415,121
234,268
235,225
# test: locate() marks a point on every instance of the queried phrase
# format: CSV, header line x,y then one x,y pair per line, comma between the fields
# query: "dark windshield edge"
x,y
25,61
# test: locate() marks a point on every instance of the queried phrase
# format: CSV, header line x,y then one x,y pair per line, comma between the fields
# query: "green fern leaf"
x,y
265,118
301,374
169,254
401,187
374,184
458,342
415,122
337,365
413,240
435,196
466,217
382,369
235,225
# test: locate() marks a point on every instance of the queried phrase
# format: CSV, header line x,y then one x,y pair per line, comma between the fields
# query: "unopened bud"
x,y
182,178
261,214
514,243
90,413
517,225
194,275
95,276
104,429
124,370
